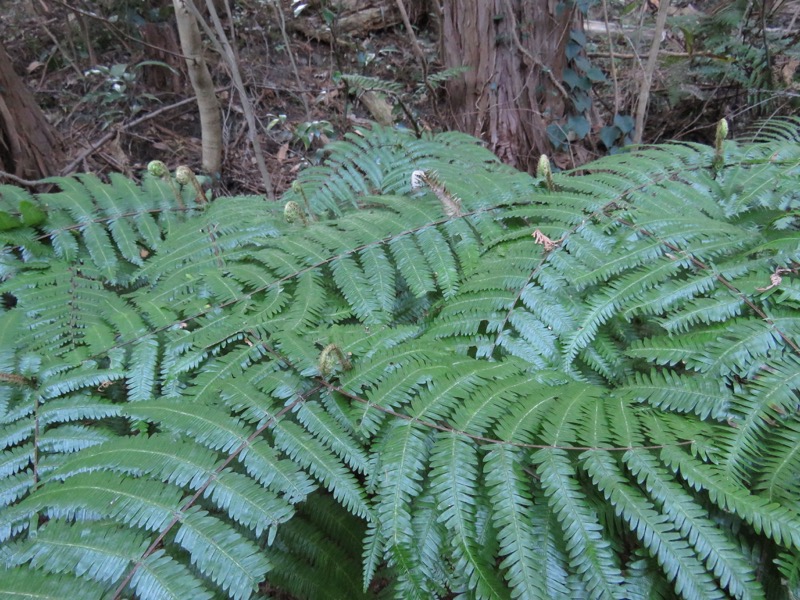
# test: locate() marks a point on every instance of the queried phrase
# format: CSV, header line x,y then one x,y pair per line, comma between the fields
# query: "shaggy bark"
x,y
29,147
516,53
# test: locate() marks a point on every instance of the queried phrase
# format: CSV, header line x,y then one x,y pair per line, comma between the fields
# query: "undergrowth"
x,y
484,386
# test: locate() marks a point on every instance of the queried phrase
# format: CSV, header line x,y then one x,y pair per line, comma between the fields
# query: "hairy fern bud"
x,y
156,168
185,176
544,171
722,133
292,213
329,357
451,205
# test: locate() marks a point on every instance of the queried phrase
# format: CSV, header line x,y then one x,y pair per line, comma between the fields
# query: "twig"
x,y
109,136
20,180
116,30
676,53
647,79
292,61
794,19
58,45
423,63
223,47
617,100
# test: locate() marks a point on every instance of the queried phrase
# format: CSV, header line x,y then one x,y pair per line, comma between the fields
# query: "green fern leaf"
x,y
161,576
228,558
720,554
311,455
518,543
100,551
589,554
18,584
661,540
454,479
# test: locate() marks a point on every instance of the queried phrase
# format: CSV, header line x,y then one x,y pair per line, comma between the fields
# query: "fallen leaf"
x,y
282,152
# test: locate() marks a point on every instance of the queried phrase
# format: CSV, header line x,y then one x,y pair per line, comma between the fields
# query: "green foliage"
x,y
741,53
114,92
589,392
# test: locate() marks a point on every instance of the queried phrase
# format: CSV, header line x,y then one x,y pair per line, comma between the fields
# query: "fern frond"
x,y
660,538
720,554
671,391
18,583
771,395
454,479
516,535
489,390
589,554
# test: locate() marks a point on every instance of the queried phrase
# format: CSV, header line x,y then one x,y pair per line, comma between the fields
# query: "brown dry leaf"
x,y
545,241
282,152
34,66
788,71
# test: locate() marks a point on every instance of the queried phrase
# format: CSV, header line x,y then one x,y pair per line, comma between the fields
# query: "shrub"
x,y
488,385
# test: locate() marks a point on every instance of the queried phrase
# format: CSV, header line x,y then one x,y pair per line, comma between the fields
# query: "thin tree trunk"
x,y
516,53
207,104
29,146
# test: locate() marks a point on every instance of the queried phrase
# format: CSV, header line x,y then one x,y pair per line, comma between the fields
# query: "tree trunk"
x,y
29,146
515,50
203,86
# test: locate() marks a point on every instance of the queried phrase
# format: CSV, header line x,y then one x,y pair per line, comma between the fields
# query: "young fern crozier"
x,y
491,386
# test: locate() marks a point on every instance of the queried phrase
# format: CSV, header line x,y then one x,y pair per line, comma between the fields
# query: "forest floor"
x,y
115,88
118,103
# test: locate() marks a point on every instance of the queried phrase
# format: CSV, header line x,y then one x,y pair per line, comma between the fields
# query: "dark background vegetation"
x,y
111,81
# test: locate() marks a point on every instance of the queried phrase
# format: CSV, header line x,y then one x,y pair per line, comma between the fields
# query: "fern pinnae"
x,y
661,540
743,347
99,551
449,395
352,282
589,554
713,546
405,447
225,556
83,407
671,391
116,205
491,401
209,425
509,486
605,304
771,395
394,391
159,575
441,261
775,521
322,464
17,583
317,421
776,477
454,480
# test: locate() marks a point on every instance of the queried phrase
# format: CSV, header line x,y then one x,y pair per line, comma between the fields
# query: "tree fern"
x,y
483,385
